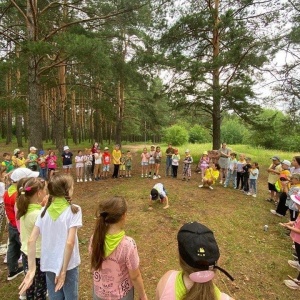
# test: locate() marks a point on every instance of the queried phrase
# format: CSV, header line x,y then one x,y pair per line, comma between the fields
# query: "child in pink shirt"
x,y
114,256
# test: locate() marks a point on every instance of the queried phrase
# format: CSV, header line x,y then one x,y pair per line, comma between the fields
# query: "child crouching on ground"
x,y
211,175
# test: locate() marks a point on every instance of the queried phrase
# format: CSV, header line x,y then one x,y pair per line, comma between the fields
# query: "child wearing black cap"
x,y
158,191
199,253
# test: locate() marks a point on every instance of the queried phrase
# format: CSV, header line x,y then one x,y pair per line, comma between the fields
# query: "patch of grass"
x,y
256,258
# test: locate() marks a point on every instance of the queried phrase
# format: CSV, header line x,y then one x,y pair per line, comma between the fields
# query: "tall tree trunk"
x,y
216,115
9,126
61,126
35,119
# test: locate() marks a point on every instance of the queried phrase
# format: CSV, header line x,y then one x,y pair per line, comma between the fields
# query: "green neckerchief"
x,y
57,207
11,190
180,289
112,241
33,206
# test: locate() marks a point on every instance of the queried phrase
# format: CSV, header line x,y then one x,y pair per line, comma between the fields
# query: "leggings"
x,y
38,289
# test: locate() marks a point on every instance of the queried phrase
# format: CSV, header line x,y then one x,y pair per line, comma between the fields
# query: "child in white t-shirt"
x,y
79,160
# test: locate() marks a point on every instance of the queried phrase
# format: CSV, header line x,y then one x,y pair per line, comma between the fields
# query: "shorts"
x,y
122,168
151,161
51,169
67,166
158,160
272,187
105,168
128,168
144,163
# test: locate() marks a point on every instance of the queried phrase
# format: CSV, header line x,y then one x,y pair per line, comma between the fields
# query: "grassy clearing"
x,y
257,259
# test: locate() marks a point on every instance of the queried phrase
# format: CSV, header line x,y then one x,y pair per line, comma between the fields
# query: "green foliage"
x,y
270,128
198,134
176,135
233,131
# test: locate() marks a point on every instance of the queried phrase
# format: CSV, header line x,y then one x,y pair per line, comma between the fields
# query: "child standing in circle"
x,y
187,167
114,256
253,176
151,161
67,159
51,163
79,160
203,163
116,156
60,252
231,173
175,162
31,194
198,257
122,164
97,164
106,162
157,158
32,159
128,164
144,163
42,164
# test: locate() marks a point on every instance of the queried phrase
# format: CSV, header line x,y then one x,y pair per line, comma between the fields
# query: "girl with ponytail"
x,y
114,256
57,226
32,193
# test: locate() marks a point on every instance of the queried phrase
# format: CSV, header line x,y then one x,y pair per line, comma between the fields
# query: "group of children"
x,y
51,264
46,164
151,162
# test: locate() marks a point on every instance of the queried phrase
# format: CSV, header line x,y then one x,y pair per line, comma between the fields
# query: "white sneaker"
x,y
273,211
77,180
149,175
210,187
80,180
200,186
221,182
292,284
254,195
90,179
142,175
294,264
158,176
249,194
85,180
154,177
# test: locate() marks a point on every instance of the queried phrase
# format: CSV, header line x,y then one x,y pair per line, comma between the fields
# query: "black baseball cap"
x,y
154,194
198,248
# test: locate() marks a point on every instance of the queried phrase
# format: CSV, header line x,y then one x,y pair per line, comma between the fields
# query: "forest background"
x,y
132,71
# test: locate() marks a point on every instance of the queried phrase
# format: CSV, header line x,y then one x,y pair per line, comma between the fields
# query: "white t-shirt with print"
x,y
54,237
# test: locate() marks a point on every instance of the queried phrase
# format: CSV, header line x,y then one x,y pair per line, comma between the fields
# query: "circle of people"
x,y
37,209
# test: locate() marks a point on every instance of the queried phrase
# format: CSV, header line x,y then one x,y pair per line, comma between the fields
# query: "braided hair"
x,y
60,186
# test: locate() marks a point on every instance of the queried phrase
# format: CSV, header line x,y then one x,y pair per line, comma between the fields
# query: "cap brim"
x,y
202,276
293,197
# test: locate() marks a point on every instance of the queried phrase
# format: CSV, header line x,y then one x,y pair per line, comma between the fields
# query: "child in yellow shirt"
x,y
211,175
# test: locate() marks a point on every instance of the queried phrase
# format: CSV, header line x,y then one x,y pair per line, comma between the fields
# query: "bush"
x,y
234,132
176,135
199,135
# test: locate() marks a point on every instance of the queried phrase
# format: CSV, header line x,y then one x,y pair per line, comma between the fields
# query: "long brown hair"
x,y
59,186
203,291
109,212
27,188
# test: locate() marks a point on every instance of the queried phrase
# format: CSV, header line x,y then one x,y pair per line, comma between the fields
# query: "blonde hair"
x,y
203,291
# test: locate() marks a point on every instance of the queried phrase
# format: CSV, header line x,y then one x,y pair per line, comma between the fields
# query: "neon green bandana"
x,y
11,190
112,241
180,289
57,207
33,206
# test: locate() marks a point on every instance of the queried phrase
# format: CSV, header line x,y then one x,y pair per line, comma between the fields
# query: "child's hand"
x,y
60,280
27,282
